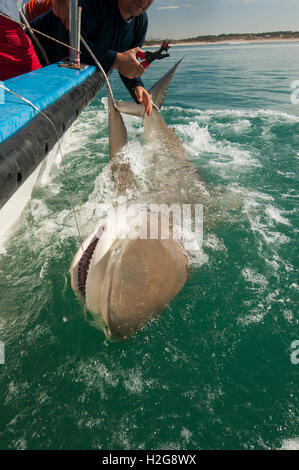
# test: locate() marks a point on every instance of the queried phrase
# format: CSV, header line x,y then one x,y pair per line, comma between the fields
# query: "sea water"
x,y
218,369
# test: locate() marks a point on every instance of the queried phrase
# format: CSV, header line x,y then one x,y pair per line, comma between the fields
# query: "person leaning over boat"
x,y
17,55
114,30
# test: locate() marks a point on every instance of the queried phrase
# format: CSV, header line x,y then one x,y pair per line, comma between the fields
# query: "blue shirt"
x,y
105,31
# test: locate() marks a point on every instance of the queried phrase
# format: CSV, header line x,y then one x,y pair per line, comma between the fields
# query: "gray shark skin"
x,y
127,282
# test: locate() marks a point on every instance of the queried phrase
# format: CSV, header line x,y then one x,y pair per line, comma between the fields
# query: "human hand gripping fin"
x,y
143,97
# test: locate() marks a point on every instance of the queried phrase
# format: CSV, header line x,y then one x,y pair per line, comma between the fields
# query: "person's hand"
x,y
127,64
144,98
60,9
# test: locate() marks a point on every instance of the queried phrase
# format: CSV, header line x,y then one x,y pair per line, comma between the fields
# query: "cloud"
x,y
170,7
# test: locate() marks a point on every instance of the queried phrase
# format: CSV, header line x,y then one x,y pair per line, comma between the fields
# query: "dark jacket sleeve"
x,y
106,57
92,15
50,25
140,33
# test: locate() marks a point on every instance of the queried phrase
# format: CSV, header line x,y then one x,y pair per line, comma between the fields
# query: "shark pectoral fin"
x,y
130,107
158,91
117,130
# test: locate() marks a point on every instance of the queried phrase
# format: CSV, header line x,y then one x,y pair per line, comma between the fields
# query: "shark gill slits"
x,y
84,265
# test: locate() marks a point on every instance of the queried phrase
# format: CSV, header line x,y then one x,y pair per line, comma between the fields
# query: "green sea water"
x,y
214,371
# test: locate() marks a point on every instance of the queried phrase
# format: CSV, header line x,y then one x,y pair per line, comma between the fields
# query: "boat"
x,y
36,109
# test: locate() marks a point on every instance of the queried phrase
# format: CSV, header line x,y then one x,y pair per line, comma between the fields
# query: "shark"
x,y
126,281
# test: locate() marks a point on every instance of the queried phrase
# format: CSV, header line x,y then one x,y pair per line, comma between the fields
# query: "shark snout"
x,y
134,282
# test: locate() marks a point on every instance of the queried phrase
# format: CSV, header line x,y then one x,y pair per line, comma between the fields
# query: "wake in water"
x,y
220,143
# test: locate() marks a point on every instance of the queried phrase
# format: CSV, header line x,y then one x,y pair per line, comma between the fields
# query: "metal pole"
x,y
75,27
79,31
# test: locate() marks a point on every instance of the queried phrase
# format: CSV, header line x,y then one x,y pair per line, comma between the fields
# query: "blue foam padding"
x,y
42,87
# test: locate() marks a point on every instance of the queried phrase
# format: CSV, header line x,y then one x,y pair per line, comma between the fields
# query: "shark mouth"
x,y
82,265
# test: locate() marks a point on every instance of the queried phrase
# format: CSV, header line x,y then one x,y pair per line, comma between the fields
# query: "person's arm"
x,y
135,86
60,9
93,16
126,62
92,12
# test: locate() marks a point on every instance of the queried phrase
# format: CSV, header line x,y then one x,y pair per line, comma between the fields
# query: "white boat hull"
x,y
11,211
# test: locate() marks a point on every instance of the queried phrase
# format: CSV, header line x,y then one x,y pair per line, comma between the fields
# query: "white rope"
x,y
51,122
62,158
34,37
98,65
39,32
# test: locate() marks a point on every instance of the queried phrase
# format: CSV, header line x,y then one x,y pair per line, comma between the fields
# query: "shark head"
x,y
127,281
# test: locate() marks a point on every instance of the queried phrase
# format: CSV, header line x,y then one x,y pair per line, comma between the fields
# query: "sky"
x,y
177,19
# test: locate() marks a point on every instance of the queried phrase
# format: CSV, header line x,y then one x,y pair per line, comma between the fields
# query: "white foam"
x,y
274,214
254,278
259,312
199,140
252,197
186,435
195,137
134,383
294,286
290,444
288,315
239,127
90,122
286,174
269,236
255,210
214,243
19,444
256,316
94,373
274,116
235,116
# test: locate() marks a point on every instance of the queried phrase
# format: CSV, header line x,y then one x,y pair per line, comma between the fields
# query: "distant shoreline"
x,y
227,41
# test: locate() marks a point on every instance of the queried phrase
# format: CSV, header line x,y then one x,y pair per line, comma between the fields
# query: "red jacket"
x,y
17,55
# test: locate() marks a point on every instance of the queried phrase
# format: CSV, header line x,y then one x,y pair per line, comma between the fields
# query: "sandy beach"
x,y
229,41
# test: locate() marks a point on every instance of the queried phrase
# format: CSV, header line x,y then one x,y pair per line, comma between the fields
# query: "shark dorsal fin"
x,y
158,91
117,130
